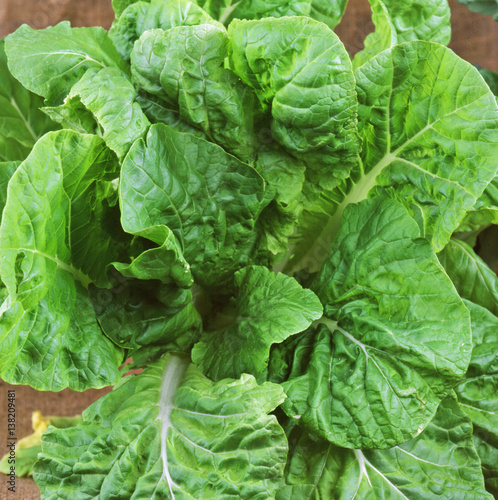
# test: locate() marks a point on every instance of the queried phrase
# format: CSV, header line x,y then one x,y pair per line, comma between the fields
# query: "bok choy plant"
x,y
282,238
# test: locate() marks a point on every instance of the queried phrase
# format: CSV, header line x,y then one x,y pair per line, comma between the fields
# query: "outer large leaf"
x,y
21,122
110,97
398,339
49,336
440,463
184,66
169,433
430,139
49,62
478,393
267,309
142,16
398,22
301,68
207,198
473,279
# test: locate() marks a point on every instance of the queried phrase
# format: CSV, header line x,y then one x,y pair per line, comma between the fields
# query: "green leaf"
x,y
472,277
110,97
135,314
143,440
301,67
486,7
398,337
429,126
267,309
21,122
441,461
491,78
478,392
397,22
329,12
142,16
228,10
208,200
184,66
49,336
50,61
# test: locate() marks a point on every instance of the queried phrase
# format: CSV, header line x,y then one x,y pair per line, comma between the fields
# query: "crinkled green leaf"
x,y
473,279
21,122
429,126
109,96
398,337
49,337
486,7
206,198
135,314
50,61
226,11
267,309
158,111
144,16
184,66
478,392
301,67
144,441
398,22
440,463
329,12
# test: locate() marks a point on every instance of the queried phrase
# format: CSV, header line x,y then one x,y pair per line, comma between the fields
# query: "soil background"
x,y
474,38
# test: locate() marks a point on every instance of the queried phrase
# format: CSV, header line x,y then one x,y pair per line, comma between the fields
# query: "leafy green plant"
x,y
277,233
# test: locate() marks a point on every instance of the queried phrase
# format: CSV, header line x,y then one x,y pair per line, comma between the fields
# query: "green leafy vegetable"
x,y
274,235
486,7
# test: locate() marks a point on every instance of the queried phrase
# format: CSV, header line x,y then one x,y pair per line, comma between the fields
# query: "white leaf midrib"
x,y
171,380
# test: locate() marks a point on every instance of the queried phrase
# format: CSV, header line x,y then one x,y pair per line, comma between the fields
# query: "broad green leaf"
x,y
429,126
50,61
206,198
478,393
329,12
49,336
440,463
144,441
109,96
473,279
301,68
21,122
120,6
145,16
267,309
486,7
135,314
397,22
184,66
398,337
